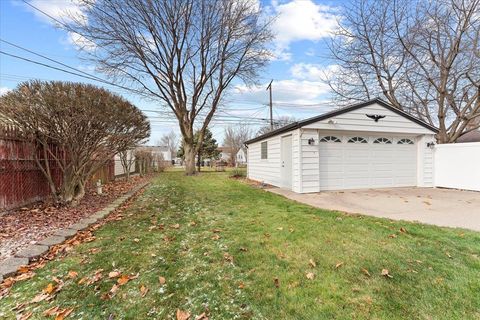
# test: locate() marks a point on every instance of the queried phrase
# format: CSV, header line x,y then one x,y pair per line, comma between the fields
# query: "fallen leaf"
x,y
176,226
402,229
365,271
40,297
50,311
393,235
386,273
162,280
243,249
143,290
280,228
276,282
123,279
241,285
182,315
25,316
202,316
448,255
72,274
23,269
216,237
25,276
312,263
113,274
63,314
228,257
310,275
339,264
50,288
136,240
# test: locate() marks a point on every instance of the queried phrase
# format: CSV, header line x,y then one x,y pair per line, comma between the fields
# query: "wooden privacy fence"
x,y
21,181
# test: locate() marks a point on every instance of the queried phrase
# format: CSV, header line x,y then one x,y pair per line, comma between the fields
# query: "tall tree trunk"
x,y
189,153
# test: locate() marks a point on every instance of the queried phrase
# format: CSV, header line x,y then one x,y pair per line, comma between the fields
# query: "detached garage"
x,y
367,145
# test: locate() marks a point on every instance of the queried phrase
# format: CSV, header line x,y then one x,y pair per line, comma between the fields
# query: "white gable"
x,y
356,120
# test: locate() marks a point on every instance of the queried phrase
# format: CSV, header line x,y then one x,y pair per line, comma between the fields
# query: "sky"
x,y
302,29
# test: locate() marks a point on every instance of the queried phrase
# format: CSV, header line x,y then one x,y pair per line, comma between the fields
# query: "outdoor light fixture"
x,y
311,141
431,145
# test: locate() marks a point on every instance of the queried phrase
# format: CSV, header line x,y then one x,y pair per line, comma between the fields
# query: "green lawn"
x,y
242,253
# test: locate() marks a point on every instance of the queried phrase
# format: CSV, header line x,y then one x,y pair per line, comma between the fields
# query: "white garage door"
x,y
356,162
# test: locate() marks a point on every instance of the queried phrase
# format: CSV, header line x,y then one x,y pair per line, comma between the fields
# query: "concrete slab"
x,y
52,241
32,252
67,233
10,266
441,207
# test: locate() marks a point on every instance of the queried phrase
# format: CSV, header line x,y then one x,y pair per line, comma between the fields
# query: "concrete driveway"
x,y
441,207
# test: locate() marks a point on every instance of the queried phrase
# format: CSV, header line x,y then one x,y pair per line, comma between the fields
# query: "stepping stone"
x,y
90,220
78,226
10,266
32,252
67,233
52,241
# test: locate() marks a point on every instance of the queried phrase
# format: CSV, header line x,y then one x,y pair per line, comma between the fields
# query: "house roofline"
x,y
299,124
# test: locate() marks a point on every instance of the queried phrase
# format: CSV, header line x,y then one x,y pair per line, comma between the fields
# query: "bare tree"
x,y
182,53
127,159
87,125
170,140
234,140
277,123
422,56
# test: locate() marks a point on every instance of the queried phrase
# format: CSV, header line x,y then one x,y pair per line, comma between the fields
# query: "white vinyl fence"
x,y
458,166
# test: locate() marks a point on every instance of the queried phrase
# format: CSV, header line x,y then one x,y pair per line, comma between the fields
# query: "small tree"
x,y
127,159
234,140
88,125
277,123
144,160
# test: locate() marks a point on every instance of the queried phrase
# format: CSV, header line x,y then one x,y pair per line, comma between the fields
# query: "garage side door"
x,y
357,162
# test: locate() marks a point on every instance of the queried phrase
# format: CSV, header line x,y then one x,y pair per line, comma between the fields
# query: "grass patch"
x,y
220,244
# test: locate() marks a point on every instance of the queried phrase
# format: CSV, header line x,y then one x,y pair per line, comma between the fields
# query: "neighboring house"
x,y
118,169
366,145
164,151
472,136
224,154
241,157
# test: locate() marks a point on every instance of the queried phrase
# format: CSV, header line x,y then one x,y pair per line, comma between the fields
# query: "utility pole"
x,y
271,112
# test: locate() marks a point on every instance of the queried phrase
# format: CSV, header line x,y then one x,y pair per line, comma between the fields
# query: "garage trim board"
x,y
360,146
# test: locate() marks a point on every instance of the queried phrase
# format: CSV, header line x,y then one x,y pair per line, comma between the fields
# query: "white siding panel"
x,y
265,170
358,121
310,161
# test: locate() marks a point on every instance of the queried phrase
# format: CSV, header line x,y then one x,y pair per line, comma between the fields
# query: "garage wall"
x,y
458,166
296,184
310,164
265,170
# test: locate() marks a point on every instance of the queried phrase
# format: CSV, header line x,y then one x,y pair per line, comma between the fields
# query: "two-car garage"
x,y
368,145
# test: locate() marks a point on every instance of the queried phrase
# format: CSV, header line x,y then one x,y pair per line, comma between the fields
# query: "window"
x,y
330,139
405,141
382,141
264,150
357,140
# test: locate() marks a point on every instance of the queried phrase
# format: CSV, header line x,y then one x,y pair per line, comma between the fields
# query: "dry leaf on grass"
x,y
386,273
143,291
339,264
113,274
182,315
123,279
228,257
276,282
62,314
393,235
50,311
365,271
310,275
448,255
25,316
216,237
241,285
312,263
72,274
162,280
403,230
202,316
175,226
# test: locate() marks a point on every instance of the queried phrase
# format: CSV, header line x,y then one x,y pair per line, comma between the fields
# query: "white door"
x,y
357,162
286,165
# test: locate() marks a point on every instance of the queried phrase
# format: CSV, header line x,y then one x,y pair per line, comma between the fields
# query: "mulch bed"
x,y
28,225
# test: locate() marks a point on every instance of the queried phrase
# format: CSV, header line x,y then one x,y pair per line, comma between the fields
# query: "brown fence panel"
x,y
21,181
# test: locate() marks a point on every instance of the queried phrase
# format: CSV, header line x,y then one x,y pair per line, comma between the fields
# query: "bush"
x,y
238,173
